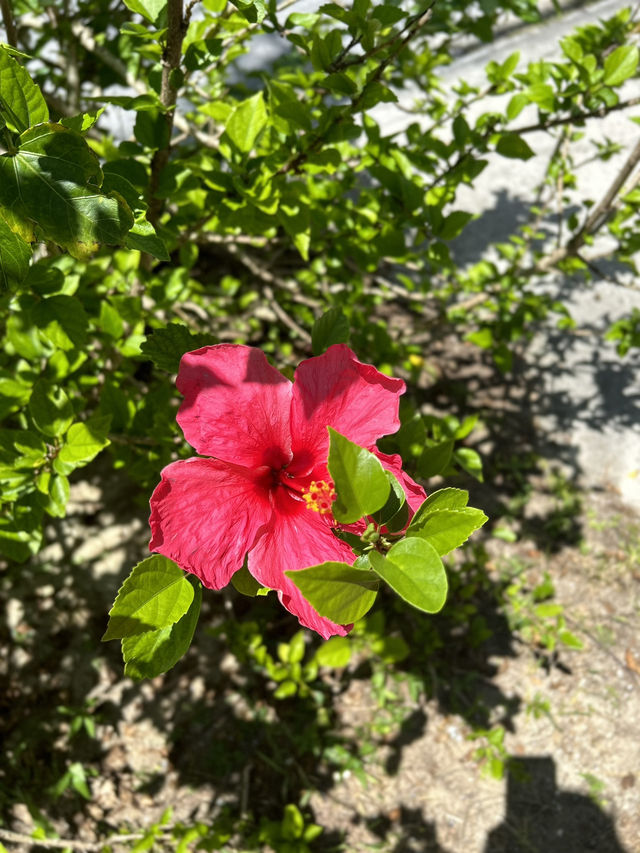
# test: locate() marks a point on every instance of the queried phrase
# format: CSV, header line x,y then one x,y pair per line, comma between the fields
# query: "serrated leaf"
x,y
448,498
165,347
15,255
360,480
52,182
21,102
336,590
413,569
154,652
246,122
331,328
154,596
447,529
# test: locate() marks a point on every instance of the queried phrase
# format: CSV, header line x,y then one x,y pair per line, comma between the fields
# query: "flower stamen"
x,y
319,496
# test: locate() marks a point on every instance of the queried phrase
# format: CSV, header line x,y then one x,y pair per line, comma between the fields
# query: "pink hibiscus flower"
x,y
265,493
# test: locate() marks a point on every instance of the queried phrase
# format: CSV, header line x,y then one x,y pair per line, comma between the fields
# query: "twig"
x,y
168,95
400,39
596,218
9,23
66,843
600,112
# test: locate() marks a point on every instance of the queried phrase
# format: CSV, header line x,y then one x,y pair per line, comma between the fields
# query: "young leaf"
x,y
246,122
83,442
413,569
336,652
154,596
447,529
154,652
360,480
620,65
336,590
21,102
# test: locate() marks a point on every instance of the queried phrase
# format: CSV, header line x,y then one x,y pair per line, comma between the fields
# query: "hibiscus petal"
x,y
205,516
414,492
337,390
296,539
236,406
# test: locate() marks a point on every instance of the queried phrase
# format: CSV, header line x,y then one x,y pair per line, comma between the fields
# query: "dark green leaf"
x,y
165,347
514,146
414,570
154,652
395,513
143,237
155,595
336,590
245,583
52,182
434,460
360,480
63,320
331,328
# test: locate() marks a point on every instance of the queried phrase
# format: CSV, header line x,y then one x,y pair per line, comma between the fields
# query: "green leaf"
x,y
143,237
245,583
514,146
52,183
469,460
620,65
434,460
331,328
155,595
246,122
336,590
154,652
50,409
447,529
395,513
21,102
360,480
442,499
413,569
165,347
15,255
149,9
335,652
83,442
63,320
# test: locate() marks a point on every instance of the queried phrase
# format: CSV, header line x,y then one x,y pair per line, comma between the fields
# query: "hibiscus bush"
x,y
224,273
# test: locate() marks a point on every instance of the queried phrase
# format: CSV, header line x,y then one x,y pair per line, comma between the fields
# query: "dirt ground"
x,y
200,737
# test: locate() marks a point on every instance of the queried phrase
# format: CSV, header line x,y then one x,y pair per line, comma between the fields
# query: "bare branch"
x,y
9,24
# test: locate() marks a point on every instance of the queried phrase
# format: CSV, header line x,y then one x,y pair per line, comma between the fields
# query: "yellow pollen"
x,y
319,496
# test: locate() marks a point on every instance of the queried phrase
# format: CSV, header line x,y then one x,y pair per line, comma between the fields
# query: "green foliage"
x,y
362,486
